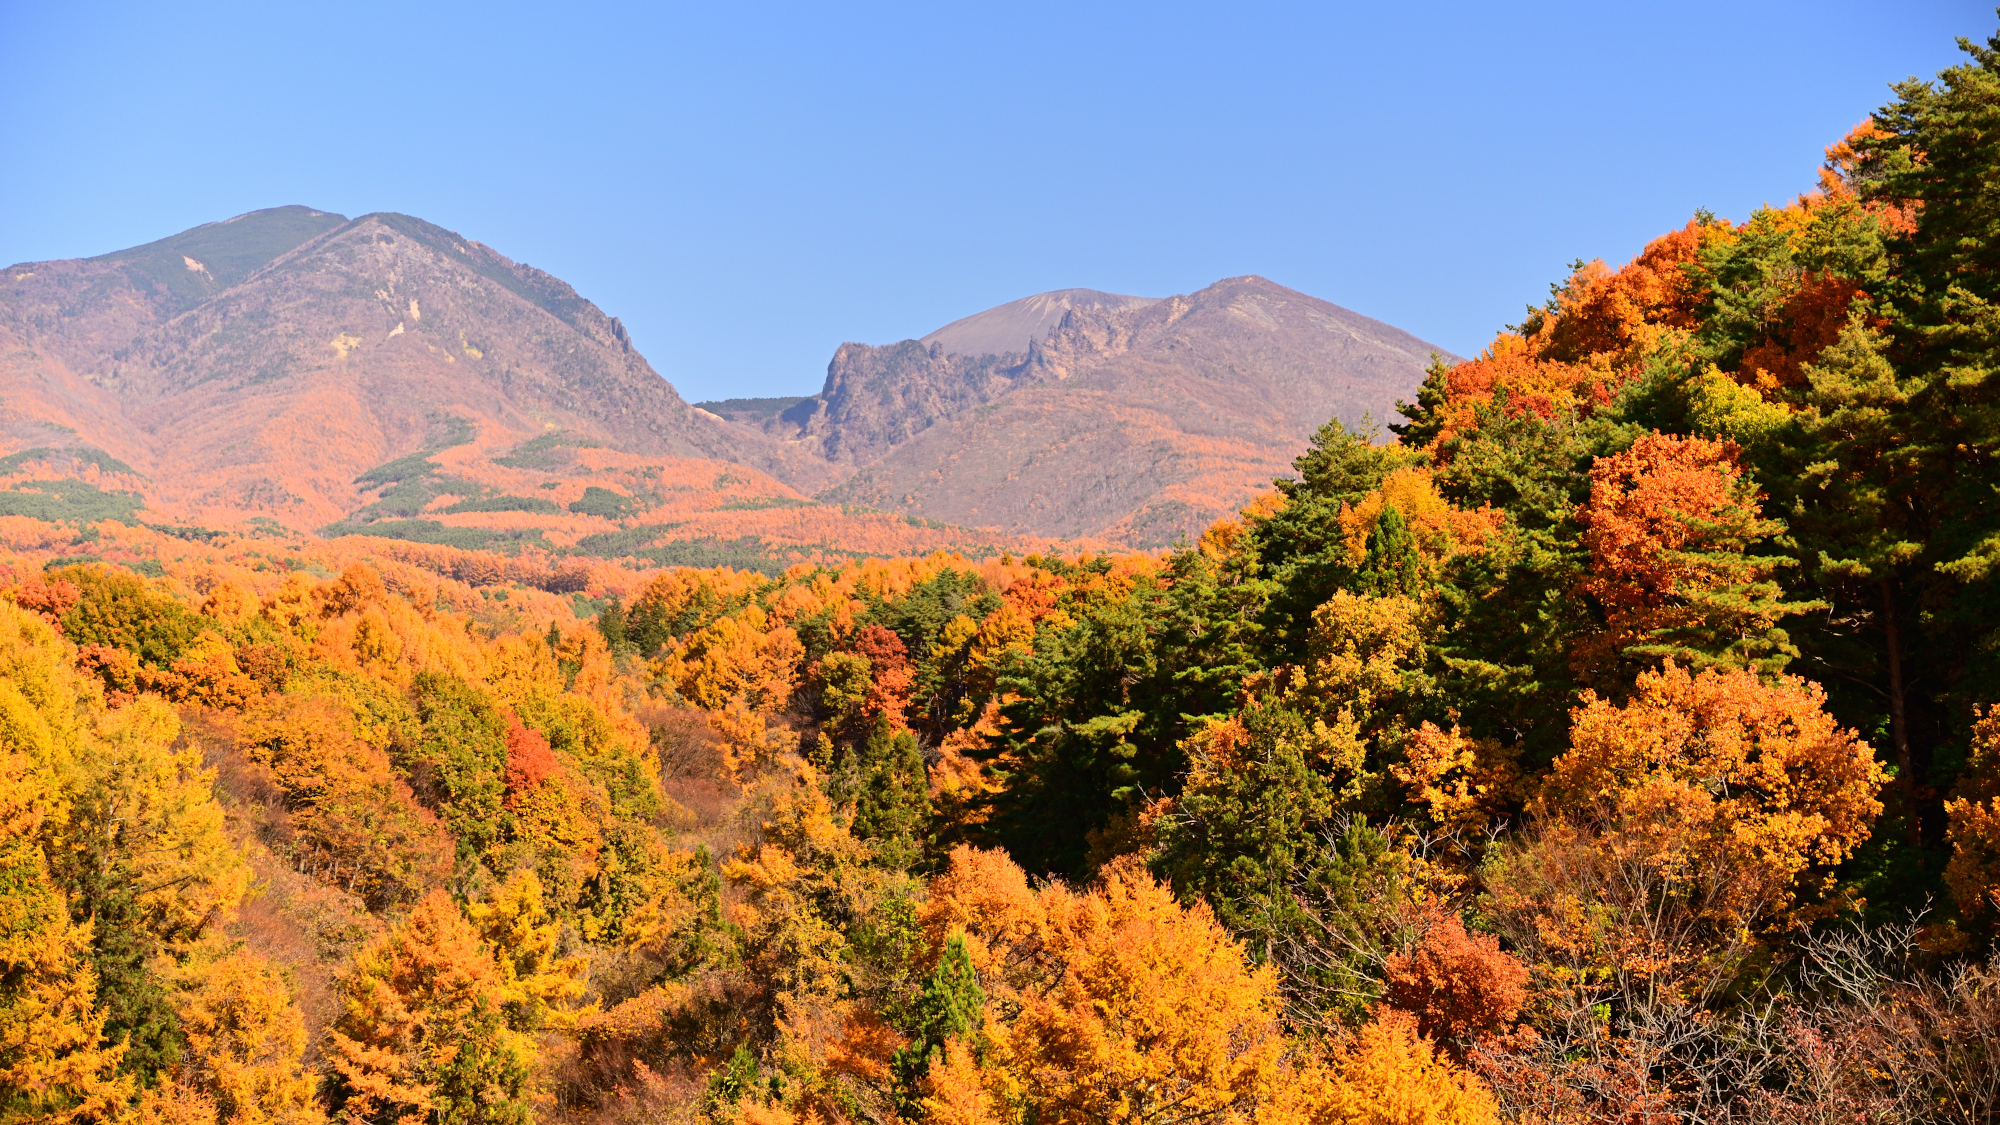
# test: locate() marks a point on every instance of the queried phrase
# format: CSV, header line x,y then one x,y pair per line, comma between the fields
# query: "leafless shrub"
x,y
1632,951
1886,1033
684,742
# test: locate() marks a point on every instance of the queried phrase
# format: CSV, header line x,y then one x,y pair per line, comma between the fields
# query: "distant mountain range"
x,y
276,364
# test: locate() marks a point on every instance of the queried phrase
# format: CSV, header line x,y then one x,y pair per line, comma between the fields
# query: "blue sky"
x,y
748,185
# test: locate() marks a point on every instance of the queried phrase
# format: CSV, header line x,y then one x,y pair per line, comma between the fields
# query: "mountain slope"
x,y
196,264
386,376
1147,423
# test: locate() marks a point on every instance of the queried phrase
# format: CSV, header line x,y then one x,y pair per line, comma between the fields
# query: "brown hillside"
x,y
271,395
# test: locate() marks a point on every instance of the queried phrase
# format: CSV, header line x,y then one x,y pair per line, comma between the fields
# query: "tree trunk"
x,y
1899,726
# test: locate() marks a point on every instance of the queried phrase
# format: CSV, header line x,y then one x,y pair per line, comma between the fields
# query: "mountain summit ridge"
x,y
1014,326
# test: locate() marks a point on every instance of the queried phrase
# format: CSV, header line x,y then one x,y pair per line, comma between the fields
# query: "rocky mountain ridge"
x,y
1142,420
1012,327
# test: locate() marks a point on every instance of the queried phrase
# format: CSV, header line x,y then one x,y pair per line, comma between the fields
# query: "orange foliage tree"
x,y
1459,986
1129,1005
1974,813
1752,770
359,820
421,1035
1669,527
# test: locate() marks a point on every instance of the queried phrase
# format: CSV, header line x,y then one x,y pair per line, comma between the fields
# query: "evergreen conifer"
x,y
952,1007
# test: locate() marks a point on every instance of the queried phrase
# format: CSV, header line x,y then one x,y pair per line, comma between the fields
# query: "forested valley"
x,y
1610,739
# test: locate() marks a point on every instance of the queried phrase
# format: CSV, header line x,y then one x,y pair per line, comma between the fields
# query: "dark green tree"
x,y
1512,612
121,609
137,1008
457,760
892,795
1426,415
1393,565
1241,830
1302,550
952,1006
483,1080
611,626
1082,746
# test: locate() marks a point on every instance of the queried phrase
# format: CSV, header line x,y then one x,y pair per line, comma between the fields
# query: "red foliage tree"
x,y
1670,525
529,759
889,665
1460,986
47,600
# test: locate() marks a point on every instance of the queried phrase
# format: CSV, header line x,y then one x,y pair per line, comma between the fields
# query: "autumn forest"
x,y
1613,736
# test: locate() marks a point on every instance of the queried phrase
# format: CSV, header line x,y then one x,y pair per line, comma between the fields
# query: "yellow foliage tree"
x,y
536,985
1756,774
805,876
1130,1007
53,1064
1439,529
245,1043
1385,1074
741,656
421,1036
153,807
43,703
955,1093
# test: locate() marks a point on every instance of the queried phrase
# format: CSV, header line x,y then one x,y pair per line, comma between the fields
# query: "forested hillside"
x,y
1612,743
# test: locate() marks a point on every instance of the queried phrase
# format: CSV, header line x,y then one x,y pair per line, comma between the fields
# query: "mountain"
x,y
185,269
385,376
878,398
297,354
1015,325
1137,420
377,375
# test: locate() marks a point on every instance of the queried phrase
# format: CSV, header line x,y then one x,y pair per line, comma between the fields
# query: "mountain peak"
x,y
199,262
1011,327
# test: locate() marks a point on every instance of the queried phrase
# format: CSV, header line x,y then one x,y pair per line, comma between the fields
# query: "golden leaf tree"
x,y
422,1036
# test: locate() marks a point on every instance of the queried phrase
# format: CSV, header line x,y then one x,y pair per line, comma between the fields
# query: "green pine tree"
x,y
458,760
892,793
1302,550
611,625
952,1007
1426,415
1393,565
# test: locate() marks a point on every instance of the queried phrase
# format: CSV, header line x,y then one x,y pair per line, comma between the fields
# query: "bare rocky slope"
x,y
1013,326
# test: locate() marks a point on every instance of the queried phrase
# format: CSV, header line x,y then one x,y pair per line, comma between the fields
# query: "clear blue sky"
x,y
748,185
